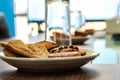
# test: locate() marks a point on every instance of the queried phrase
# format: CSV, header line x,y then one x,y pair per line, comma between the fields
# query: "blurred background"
x,y
25,20
23,16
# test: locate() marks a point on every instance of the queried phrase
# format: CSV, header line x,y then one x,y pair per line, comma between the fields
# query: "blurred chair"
x,y
4,31
7,7
36,12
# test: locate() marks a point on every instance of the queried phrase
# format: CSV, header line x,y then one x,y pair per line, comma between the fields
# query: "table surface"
x,y
86,72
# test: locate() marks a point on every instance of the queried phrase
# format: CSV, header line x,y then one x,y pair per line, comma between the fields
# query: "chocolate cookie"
x,y
64,49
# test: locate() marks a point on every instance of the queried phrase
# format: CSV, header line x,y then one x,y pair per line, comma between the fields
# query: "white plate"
x,y
75,40
49,64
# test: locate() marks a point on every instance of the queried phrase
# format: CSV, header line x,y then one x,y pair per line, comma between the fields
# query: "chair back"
x,y
4,31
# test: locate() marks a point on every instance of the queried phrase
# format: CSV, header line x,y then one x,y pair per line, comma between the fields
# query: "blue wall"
x,y
7,7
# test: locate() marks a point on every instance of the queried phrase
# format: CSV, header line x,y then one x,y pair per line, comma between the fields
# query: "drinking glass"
x,y
58,22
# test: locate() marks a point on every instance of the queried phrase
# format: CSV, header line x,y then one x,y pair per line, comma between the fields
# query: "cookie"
x,y
67,54
48,45
41,50
82,52
18,47
11,54
64,49
3,44
59,35
81,33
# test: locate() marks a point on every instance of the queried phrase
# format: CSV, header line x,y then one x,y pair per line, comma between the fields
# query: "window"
x,y
96,9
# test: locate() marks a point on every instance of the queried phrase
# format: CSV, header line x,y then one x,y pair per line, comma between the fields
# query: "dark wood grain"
x,y
87,72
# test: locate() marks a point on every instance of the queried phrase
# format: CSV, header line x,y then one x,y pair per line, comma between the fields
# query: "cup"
x,y
77,20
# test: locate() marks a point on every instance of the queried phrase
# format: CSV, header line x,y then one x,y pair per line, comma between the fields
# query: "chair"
x,y
4,31
7,8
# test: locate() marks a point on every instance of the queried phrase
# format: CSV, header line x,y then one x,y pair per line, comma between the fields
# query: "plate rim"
x,y
92,54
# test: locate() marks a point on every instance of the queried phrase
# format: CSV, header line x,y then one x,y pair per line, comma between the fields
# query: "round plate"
x,y
49,64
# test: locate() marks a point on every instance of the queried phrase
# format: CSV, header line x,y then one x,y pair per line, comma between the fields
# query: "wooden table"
x,y
87,72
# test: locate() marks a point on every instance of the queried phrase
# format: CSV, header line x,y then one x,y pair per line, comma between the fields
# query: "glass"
x,y
58,22
77,20
118,13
